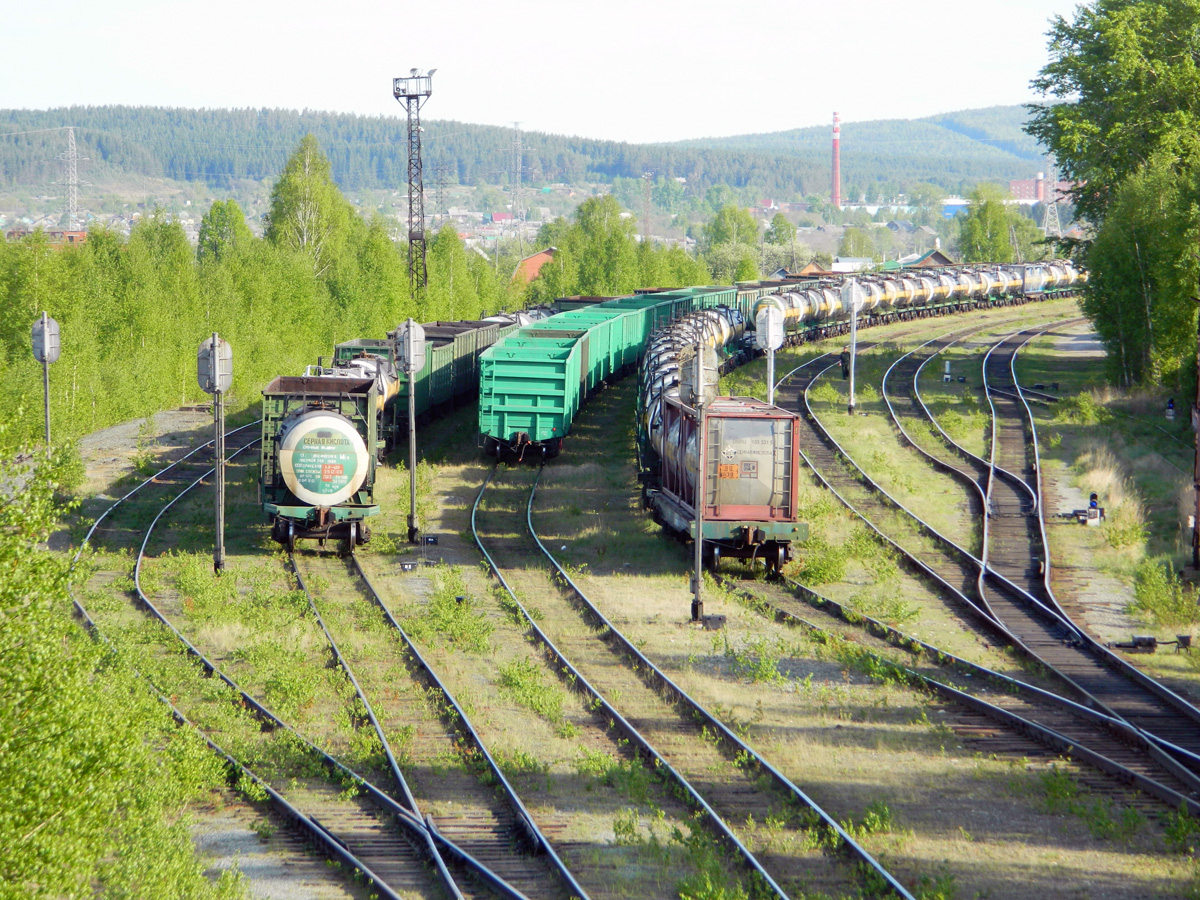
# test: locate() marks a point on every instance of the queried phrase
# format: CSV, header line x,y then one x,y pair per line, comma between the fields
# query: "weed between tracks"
x,y
851,742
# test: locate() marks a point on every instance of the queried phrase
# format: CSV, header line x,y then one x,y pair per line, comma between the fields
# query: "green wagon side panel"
x,y
422,379
440,362
534,379
530,386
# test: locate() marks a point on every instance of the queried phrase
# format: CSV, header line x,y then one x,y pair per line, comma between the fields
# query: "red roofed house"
x,y
528,268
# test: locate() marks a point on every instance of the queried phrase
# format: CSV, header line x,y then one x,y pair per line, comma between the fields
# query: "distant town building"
x,y
932,259
528,268
845,264
56,236
1034,190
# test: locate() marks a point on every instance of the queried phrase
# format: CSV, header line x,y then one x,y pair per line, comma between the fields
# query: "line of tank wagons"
x,y
325,431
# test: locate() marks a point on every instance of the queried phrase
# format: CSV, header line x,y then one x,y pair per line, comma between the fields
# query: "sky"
x,y
654,70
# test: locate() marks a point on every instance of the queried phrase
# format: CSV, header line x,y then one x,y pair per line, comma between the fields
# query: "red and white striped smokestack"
x,y
837,162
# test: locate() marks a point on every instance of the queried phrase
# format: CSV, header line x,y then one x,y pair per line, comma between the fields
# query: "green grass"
x,y
452,615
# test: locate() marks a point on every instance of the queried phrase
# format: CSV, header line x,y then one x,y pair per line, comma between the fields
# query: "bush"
x,y
94,773
1161,597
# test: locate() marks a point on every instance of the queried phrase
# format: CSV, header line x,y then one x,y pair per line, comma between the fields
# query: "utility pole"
x,y
214,373
1012,239
413,91
853,296
438,219
70,160
698,499
647,178
46,347
518,160
411,355
1053,224
1196,463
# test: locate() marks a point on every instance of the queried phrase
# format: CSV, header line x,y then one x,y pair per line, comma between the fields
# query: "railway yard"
x,y
923,705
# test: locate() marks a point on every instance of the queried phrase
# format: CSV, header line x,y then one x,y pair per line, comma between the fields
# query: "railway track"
x,y
1014,571
952,569
1128,692
371,836
498,832
694,749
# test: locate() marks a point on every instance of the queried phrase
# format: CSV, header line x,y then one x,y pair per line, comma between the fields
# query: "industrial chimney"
x,y
837,162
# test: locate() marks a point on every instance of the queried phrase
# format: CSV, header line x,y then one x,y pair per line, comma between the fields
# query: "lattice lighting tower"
x,y
413,90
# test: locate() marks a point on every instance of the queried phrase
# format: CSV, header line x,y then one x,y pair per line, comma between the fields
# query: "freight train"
x,y
533,382
324,432
746,492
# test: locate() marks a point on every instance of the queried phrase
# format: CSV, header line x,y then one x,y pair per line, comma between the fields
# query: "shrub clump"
x,y
96,777
1161,597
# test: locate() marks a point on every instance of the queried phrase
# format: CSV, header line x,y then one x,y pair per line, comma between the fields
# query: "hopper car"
x,y
325,432
532,383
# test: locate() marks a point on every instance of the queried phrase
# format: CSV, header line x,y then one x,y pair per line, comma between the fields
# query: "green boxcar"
x,y
532,382
530,386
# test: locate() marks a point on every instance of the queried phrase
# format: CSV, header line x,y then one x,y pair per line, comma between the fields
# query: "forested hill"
x,y
946,149
221,146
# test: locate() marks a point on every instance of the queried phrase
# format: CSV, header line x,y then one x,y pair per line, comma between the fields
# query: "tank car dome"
x,y
323,458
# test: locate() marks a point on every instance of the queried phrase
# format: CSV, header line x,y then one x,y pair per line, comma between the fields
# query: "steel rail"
x,y
579,681
1036,731
1054,611
402,783
981,561
981,610
523,818
665,683
414,824
992,624
1159,690
318,832
104,515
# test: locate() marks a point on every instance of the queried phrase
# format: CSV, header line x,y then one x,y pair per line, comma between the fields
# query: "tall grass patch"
x,y
1099,470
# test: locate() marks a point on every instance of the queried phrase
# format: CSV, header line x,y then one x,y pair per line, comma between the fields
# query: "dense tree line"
x,y
598,255
219,146
132,311
1130,138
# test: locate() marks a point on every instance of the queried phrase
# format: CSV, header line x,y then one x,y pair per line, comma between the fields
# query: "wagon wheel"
x,y
291,537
